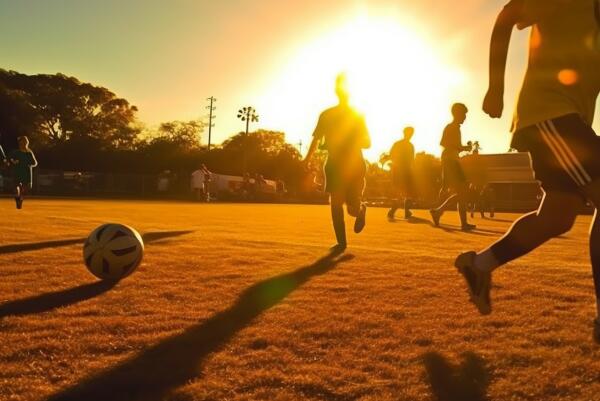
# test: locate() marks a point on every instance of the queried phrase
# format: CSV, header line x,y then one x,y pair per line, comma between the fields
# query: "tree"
x,y
62,108
17,116
184,135
260,148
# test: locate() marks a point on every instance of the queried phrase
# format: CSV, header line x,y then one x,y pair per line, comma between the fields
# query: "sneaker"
x,y
361,219
390,216
468,227
337,249
597,330
435,216
407,215
478,282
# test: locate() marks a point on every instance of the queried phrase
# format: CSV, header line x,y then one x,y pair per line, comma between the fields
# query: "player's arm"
x,y
493,104
316,139
32,160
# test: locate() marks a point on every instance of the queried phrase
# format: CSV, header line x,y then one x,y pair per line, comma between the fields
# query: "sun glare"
x,y
396,78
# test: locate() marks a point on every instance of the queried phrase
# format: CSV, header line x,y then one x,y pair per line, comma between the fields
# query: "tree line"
x,y
78,126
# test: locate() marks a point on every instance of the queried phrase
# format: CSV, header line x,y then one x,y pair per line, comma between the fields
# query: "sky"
x,y
407,60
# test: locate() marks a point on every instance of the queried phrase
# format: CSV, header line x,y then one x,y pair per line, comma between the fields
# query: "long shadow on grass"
x,y
467,382
478,231
419,220
34,246
173,362
53,300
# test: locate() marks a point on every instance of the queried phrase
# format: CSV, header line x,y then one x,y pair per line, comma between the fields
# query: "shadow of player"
x,y
57,299
35,246
53,300
467,382
173,362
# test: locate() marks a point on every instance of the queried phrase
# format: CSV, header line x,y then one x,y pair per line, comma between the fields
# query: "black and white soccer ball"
x,y
113,251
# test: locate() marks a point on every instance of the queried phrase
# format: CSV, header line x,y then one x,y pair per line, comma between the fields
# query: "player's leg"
x,y
463,199
356,207
448,203
18,195
593,192
555,216
24,190
395,202
408,203
409,193
337,218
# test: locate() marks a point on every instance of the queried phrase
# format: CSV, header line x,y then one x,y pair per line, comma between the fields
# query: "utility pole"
x,y
300,146
211,117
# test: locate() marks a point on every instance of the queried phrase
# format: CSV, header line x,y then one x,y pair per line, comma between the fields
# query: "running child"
x,y
344,134
453,176
22,161
553,122
402,156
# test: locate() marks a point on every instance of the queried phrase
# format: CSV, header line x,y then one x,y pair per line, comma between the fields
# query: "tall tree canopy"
x,y
54,109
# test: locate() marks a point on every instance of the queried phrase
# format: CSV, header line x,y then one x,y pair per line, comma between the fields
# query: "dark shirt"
x,y
451,141
402,154
22,170
344,134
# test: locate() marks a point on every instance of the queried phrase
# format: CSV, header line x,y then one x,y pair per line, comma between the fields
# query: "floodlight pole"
x,y
247,114
211,116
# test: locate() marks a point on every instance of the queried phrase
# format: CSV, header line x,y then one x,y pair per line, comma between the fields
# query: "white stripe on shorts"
x,y
569,152
564,162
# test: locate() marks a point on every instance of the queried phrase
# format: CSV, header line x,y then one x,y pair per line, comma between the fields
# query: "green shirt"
x,y
23,168
563,73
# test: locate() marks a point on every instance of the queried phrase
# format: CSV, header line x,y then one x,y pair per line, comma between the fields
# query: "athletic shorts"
x,y
565,152
453,175
350,182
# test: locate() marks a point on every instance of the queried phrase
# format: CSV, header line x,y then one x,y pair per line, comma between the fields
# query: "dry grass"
x,y
241,308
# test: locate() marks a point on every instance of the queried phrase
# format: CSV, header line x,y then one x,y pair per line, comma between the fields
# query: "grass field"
x,y
235,302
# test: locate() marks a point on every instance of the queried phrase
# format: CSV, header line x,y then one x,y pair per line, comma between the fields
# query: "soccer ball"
x,y
113,251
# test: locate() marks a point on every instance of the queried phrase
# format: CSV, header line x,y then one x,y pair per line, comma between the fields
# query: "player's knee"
x,y
353,210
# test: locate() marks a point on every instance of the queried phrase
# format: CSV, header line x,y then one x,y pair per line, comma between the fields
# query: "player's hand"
x,y
14,161
493,104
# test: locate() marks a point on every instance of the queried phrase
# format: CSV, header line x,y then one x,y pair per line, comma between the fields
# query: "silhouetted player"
x,y
402,156
343,134
454,178
22,161
552,122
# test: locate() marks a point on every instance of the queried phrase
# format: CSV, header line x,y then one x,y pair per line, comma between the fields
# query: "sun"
x,y
396,78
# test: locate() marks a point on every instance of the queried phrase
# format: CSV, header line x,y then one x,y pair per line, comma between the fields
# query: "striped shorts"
x,y
565,152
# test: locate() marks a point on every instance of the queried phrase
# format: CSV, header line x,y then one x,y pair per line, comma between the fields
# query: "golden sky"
x,y
408,60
